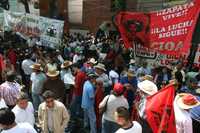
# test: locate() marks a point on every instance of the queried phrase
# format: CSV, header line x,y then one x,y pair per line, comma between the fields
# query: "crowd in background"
x,y
91,83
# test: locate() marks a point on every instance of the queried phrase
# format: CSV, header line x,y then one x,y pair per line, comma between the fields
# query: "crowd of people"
x,y
89,84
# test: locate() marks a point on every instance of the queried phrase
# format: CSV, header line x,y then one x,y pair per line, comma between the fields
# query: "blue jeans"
x,y
89,115
75,108
37,99
109,126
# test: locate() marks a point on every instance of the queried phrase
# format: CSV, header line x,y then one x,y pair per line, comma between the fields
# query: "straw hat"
x,y
186,101
66,64
130,73
132,61
36,66
52,73
148,77
92,60
100,66
148,87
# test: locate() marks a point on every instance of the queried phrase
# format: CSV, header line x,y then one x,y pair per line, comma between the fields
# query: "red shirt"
x,y
79,81
12,56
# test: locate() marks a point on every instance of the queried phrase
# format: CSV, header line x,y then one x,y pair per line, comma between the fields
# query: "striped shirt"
x,y
9,92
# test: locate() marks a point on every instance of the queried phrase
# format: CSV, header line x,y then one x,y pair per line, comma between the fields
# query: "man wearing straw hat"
x,y
100,71
182,104
54,84
37,80
68,78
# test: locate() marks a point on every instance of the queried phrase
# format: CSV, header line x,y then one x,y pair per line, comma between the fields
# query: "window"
x,y
75,11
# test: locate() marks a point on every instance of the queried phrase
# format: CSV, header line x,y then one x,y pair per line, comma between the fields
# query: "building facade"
x,y
89,14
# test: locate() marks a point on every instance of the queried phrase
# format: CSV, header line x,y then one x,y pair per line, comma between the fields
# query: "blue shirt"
x,y
195,112
130,93
88,95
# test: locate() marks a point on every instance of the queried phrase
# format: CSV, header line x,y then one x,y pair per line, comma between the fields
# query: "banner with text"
x,y
154,57
168,31
48,30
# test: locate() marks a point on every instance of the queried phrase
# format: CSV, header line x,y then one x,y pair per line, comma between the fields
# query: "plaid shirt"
x,y
9,92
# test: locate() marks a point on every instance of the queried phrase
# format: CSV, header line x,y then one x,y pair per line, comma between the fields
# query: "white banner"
x,y
155,58
49,30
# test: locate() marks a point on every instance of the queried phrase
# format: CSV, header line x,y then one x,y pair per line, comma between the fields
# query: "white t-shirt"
x,y
24,115
21,128
136,128
112,104
26,66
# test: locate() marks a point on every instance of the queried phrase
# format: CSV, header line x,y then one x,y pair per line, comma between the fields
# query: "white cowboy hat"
x,y
36,66
92,60
148,87
100,66
52,73
66,64
132,61
186,101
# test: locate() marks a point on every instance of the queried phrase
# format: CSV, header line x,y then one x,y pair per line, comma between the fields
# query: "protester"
x,y
26,64
8,124
8,67
52,115
111,103
163,77
24,111
195,115
101,72
80,78
130,84
99,95
182,103
9,90
69,80
88,100
54,84
37,81
122,117
144,69
146,88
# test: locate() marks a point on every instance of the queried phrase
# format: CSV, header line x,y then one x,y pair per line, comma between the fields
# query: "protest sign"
x,y
168,31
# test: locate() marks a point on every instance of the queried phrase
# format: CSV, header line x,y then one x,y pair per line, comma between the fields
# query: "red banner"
x,y
160,111
168,31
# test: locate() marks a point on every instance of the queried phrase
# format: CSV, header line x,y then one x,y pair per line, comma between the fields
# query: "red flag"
x,y
160,111
168,31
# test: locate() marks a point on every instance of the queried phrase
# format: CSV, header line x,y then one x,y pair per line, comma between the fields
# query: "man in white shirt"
x,y
182,103
8,124
122,117
26,63
24,111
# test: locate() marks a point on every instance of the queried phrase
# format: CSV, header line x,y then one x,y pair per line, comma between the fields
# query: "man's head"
x,y
7,118
10,77
92,77
49,98
22,100
122,116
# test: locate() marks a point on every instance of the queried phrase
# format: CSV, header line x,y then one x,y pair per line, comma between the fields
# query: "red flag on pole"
x,y
160,111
